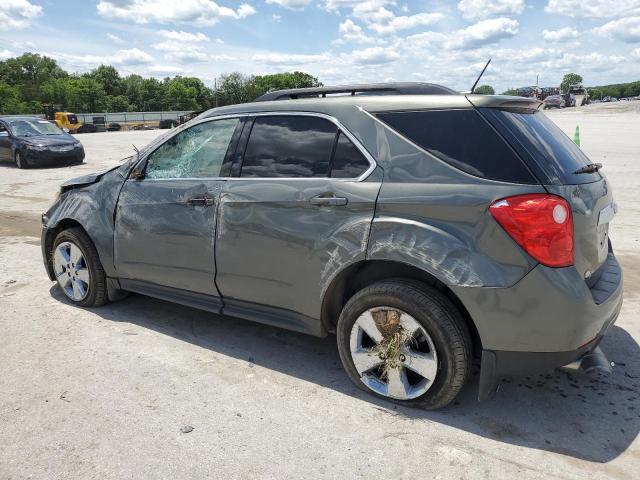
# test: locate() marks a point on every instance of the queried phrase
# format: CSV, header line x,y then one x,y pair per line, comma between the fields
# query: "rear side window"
x,y
348,161
549,152
289,146
463,139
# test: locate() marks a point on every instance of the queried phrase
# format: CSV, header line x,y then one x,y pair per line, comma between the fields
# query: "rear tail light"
x,y
541,224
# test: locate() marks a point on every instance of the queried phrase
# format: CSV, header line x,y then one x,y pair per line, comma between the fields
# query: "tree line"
x,y
30,82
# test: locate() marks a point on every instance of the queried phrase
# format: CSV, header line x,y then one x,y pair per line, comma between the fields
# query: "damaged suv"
x,y
420,225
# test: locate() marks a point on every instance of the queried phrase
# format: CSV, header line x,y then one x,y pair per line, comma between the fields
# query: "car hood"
x,y
86,179
49,140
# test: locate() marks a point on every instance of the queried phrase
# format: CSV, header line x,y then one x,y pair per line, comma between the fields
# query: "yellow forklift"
x,y
66,120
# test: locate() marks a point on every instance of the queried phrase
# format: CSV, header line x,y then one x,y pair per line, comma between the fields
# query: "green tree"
x,y
485,90
10,102
511,91
29,72
568,80
236,88
179,96
117,103
108,77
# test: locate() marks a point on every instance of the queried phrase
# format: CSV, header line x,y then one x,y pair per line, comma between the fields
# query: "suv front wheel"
x,y
406,342
77,268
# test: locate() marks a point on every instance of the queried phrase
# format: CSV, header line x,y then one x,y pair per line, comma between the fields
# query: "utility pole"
x,y
215,89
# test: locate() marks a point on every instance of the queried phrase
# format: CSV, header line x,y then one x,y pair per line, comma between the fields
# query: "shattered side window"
x,y
197,152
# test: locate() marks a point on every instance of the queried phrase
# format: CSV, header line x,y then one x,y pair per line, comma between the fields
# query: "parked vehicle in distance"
x,y
554,101
580,93
114,127
32,141
64,120
359,210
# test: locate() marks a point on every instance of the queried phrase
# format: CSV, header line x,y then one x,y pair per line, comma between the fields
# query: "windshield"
x,y
29,128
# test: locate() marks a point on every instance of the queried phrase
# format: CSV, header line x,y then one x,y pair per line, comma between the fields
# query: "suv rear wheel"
x,y
78,269
406,342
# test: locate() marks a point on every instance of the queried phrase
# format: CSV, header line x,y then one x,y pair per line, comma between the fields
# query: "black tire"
x,y
19,160
440,318
97,291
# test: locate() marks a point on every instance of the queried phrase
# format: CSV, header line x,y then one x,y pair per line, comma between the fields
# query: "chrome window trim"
x,y
335,121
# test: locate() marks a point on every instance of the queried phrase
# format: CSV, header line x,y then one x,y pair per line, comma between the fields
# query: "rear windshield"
x,y
551,155
463,139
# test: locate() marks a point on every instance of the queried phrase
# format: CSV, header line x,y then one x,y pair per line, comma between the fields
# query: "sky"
x,y
339,41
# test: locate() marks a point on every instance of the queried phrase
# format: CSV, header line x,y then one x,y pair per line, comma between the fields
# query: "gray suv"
x,y
422,226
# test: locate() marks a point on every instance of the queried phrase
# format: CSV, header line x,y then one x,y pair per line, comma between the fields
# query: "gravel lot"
x,y
105,393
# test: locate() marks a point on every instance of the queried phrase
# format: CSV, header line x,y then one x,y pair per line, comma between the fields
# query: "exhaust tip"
x,y
593,363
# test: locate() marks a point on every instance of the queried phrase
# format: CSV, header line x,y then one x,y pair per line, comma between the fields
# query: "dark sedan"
x,y
31,141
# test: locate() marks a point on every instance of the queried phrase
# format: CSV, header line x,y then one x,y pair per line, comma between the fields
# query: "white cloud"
x,y
625,29
18,14
132,56
4,54
183,47
484,32
480,9
374,56
593,8
353,33
291,4
561,35
405,22
196,12
635,53
183,36
287,59
276,18
334,5
115,38
122,58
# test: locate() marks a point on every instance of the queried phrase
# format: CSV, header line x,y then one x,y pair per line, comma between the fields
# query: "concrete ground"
x,y
105,393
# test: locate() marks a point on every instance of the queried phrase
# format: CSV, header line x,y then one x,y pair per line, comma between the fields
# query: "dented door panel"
x,y
163,238
274,247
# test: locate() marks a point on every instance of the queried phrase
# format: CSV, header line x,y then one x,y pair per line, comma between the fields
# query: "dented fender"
x,y
90,201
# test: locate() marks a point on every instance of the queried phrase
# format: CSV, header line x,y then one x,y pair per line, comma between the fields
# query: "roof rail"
x,y
404,88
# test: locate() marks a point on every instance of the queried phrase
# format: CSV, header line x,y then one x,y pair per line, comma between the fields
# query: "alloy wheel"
x,y
393,353
71,271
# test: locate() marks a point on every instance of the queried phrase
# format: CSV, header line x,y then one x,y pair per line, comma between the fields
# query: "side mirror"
x,y
4,133
136,174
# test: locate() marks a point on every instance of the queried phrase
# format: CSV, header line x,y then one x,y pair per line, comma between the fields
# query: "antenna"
x,y
480,76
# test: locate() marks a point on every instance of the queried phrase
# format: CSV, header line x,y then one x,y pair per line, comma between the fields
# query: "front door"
x,y
165,222
298,211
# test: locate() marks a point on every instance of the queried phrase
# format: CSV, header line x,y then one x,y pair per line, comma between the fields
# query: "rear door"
x,y
165,222
297,209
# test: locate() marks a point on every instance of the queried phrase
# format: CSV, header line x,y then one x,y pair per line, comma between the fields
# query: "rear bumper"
x,y
550,310
549,319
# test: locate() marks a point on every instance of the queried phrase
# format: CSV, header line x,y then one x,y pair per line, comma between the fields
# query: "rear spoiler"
x,y
505,102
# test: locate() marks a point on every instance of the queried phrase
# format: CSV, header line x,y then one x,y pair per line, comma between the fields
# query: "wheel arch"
x,y
361,274
52,233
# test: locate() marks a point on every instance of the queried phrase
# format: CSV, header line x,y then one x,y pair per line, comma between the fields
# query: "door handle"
x,y
332,200
201,201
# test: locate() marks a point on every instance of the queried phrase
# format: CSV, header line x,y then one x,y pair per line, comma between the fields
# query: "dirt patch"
x,y
20,224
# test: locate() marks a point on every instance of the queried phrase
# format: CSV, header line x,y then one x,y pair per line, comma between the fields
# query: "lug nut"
x,y
402,358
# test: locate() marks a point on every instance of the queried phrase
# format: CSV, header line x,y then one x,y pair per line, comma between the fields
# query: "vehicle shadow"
x,y
588,419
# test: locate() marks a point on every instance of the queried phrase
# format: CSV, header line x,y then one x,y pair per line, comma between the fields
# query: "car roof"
x,y
374,103
20,117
